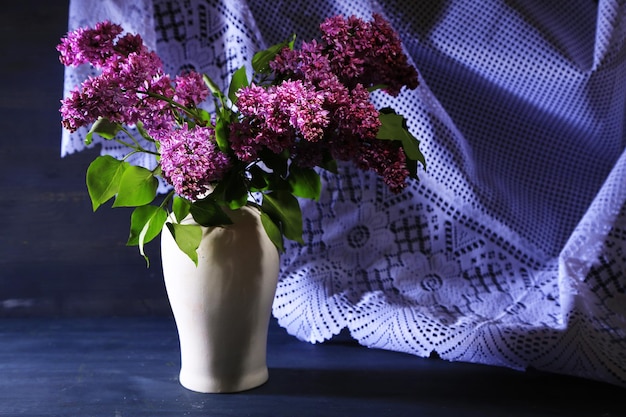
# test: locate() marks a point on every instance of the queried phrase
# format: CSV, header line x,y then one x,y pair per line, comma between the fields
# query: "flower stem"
x,y
189,112
135,146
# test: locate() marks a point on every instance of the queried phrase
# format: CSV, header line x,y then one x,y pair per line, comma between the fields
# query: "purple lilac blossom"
x,y
352,55
155,113
191,89
129,43
89,45
115,94
319,105
302,105
309,63
387,159
191,160
277,117
368,53
128,72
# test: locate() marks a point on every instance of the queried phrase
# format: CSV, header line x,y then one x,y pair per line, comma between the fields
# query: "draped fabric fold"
x,y
511,249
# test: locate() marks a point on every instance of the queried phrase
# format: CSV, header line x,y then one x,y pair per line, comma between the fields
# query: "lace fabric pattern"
x,y
511,249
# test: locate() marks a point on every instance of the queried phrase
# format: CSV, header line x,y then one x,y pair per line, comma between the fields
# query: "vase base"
x,y
212,385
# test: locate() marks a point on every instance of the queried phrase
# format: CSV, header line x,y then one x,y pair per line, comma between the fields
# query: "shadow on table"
x,y
486,390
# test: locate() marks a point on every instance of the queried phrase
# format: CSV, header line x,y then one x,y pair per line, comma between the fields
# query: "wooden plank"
x,y
129,367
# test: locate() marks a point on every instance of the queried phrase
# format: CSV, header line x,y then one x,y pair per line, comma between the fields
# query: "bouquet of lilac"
x,y
263,142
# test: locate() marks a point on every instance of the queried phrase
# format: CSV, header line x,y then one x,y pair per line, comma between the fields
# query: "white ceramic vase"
x,y
222,307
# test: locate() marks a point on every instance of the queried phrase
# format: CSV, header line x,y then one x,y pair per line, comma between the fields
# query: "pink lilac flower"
x,y
259,127
357,115
387,159
276,117
130,43
302,104
309,63
352,55
74,112
115,94
191,160
99,96
135,69
190,89
369,53
155,113
357,127
388,63
89,45
347,43
128,72
242,141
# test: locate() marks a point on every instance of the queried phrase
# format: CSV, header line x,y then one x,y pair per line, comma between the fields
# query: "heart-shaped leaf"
x,y
146,223
138,187
103,179
208,213
104,128
273,232
187,237
180,207
393,127
305,182
239,80
284,209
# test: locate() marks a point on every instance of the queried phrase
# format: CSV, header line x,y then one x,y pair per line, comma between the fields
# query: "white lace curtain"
x,y
511,249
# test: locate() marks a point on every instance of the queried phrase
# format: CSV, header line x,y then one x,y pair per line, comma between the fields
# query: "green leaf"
x,y
181,207
104,128
138,187
232,190
209,213
239,80
146,223
261,60
222,134
329,164
103,179
273,232
237,194
284,209
275,182
144,134
393,127
187,237
305,182
375,87
204,116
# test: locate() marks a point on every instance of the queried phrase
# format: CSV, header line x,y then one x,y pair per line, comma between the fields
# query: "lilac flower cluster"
x,y
369,53
316,107
191,161
274,117
126,68
352,56
132,87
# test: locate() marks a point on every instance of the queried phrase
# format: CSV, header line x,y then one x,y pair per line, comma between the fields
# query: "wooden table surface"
x,y
128,367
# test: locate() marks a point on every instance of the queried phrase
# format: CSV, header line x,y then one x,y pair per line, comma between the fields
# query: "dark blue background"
x,y
57,257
